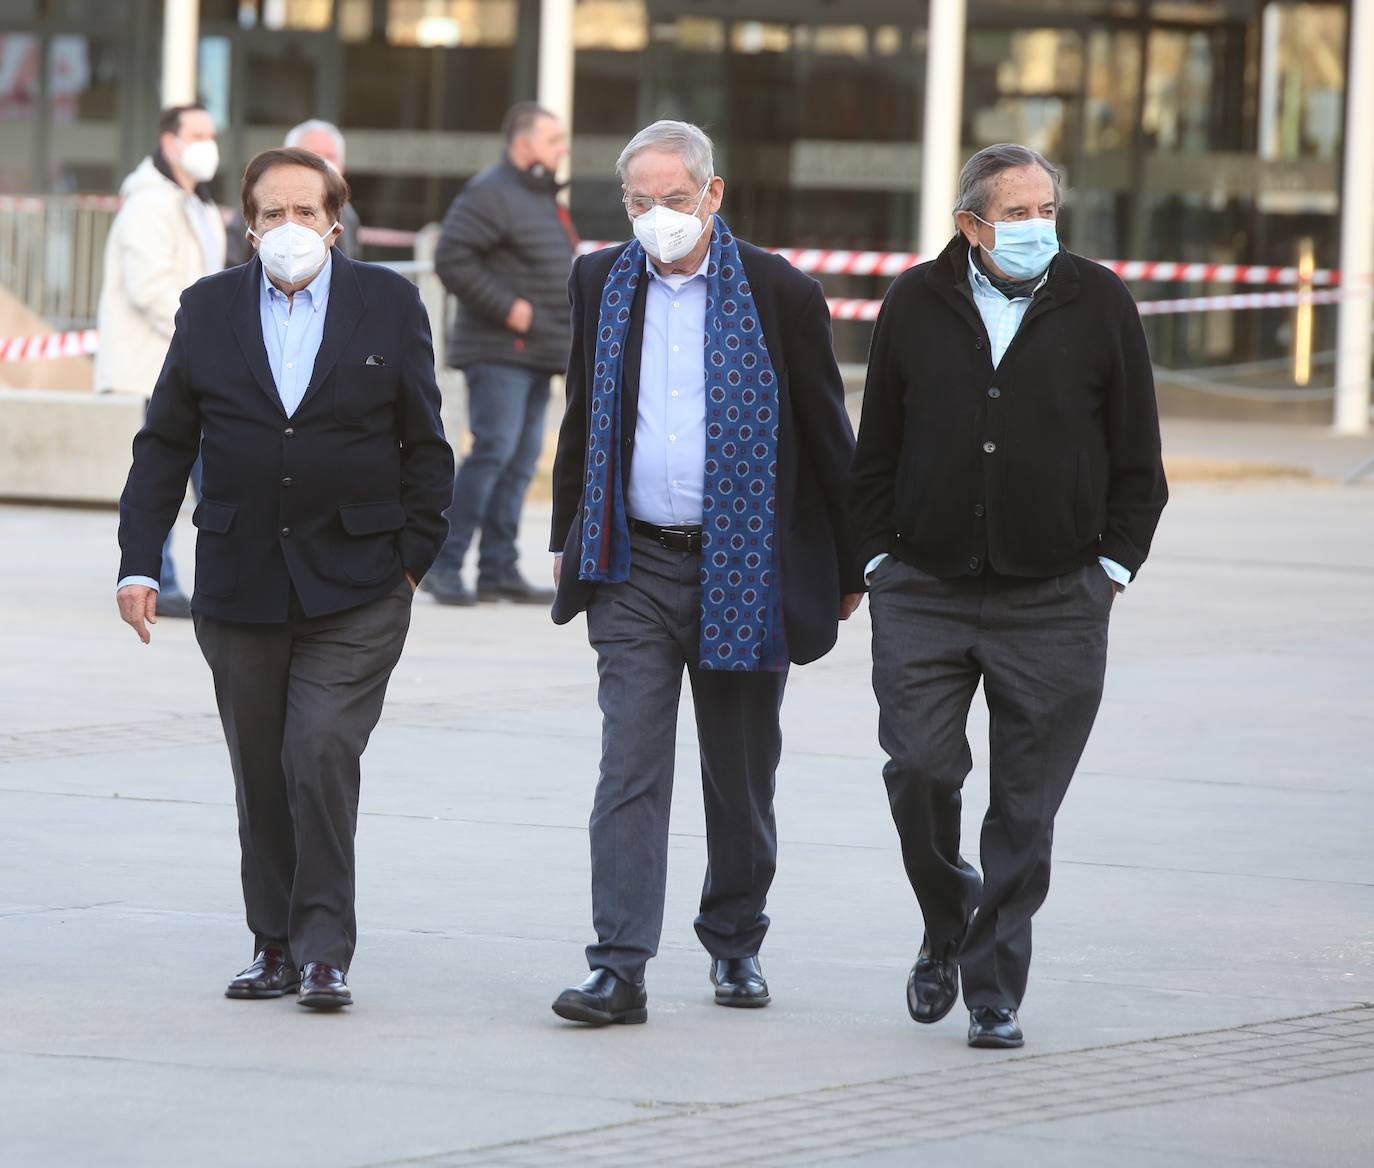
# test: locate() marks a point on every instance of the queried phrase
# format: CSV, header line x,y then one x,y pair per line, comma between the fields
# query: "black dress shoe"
x,y
453,592
270,976
933,987
739,982
323,987
173,602
514,588
602,999
994,1028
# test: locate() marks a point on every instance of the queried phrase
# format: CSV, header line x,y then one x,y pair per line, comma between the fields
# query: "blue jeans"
x,y
167,577
506,405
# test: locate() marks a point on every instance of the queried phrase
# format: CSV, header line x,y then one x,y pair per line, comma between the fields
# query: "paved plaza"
x,y
1204,966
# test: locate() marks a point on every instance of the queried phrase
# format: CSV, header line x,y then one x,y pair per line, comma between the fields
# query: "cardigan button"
x,y
979,510
288,433
285,533
989,447
286,482
974,563
994,392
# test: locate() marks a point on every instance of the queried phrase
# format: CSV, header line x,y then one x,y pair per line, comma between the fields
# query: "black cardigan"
x,y
1029,469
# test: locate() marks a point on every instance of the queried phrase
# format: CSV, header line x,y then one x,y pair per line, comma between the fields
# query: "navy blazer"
x,y
815,443
334,502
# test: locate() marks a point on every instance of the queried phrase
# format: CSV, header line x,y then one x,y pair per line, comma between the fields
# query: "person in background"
x,y
326,140
504,251
1007,485
167,235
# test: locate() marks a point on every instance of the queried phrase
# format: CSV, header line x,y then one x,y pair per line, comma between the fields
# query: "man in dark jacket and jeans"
x,y
1006,488
505,251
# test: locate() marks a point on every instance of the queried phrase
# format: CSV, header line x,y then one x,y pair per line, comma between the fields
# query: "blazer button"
x,y
285,532
989,447
994,392
979,510
288,432
286,482
974,563
977,342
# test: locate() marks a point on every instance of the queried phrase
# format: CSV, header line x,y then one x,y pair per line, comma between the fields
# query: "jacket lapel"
x,y
341,318
245,316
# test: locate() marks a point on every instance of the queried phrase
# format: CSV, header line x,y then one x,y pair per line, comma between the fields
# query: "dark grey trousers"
x,y
645,632
298,701
1040,649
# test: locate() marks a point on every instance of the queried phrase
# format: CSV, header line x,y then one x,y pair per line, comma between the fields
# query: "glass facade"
x,y
1200,131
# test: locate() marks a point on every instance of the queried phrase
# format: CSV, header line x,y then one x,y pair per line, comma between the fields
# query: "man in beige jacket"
x,y
168,234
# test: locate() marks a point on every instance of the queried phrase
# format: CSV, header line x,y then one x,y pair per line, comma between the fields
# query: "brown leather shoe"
x,y
270,976
323,987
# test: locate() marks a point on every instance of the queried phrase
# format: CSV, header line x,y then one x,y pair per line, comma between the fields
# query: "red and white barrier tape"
x,y
49,347
868,309
825,262
83,342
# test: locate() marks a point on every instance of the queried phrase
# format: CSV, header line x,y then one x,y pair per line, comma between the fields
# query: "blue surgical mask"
x,y
1023,249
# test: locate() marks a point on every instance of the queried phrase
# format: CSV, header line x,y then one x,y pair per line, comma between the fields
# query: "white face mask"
x,y
669,235
200,159
292,252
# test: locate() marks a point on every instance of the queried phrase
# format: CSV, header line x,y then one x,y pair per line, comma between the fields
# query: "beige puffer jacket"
x,y
152,255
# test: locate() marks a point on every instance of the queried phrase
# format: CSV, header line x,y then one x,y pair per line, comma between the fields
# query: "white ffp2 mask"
x,y
668,235
291,252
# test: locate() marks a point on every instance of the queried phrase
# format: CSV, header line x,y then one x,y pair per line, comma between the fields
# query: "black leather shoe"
x,y
514,588
323,987
270,976
933,987
173,602
993,1028
602,999
453,592
739,982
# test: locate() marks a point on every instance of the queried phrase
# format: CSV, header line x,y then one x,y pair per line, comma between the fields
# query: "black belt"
x,y
675,539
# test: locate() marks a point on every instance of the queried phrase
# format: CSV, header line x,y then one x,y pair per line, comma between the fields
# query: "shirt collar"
x,y
316,292
677,281
984,285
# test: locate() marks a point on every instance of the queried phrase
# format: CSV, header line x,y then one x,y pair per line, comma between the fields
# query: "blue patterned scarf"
x,y
741,595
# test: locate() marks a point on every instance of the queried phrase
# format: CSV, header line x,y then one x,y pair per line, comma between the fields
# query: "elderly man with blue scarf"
x,y
699,521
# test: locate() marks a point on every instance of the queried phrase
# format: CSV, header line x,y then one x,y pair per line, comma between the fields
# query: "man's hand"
x,y
520,317
414,584
137,605
849,604
557,567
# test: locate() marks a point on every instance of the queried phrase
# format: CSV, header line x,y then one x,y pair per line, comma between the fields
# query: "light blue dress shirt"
x,y
668,469
292,332
1002,316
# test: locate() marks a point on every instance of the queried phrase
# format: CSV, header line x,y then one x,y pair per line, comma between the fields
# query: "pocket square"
x,y
375,359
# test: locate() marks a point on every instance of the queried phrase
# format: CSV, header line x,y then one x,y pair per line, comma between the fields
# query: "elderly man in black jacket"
x,y
306,382
1007,484
504,252
699,520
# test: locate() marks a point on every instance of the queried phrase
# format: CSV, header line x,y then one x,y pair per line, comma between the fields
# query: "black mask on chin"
x,y
543,178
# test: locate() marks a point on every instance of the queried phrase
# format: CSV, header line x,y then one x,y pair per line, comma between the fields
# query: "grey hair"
x,y
316,126
687,141
975,180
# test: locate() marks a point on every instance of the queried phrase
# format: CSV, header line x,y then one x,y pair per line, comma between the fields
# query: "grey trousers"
x,y
1040,649
645,632
298,701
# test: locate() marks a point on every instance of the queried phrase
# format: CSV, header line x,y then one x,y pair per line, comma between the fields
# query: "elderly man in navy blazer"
x,y
699,515
306,382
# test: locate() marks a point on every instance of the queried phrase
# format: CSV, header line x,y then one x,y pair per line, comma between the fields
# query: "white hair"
x,y
316,126
687,141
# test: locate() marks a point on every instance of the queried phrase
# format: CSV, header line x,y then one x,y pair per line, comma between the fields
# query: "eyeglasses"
x,y
685,204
